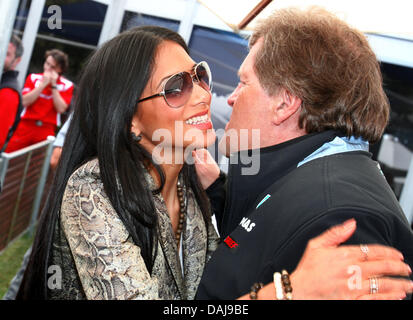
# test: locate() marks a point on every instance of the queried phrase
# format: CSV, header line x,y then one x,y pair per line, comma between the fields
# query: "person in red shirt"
x,y
45,97
10,98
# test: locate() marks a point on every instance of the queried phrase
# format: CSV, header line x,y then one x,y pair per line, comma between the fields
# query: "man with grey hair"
x,y
10,96
312,86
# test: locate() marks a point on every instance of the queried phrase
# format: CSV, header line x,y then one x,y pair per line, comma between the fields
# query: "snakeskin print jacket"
x,y
98,259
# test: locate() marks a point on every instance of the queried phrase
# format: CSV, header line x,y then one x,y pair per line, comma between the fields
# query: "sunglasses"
x,y
177,89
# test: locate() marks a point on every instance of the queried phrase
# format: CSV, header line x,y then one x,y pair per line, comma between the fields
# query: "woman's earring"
x,y
136,138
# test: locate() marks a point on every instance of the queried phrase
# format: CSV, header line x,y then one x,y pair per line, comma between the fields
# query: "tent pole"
x,y
8,9
29,37
113,20
254,12
187,22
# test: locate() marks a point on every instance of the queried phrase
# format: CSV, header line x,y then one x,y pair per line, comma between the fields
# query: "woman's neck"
x,y
170,193
169,189
171,161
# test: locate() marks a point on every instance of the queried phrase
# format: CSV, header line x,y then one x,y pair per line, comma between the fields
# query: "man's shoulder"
x,y
338,172
8,93
344,182
9,80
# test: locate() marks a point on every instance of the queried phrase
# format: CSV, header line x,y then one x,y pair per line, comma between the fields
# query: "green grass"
x,y
11,259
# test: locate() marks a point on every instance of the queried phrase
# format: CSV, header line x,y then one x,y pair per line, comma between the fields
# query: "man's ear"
x,y
285,106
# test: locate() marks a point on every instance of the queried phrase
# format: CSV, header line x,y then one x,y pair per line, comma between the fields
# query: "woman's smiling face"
x,y
188,125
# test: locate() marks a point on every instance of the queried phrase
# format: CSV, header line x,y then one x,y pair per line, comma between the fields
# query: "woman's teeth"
x,y
198,120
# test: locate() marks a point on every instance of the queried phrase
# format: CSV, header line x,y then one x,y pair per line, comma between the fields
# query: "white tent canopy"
x,y
175,10
370,16
388,24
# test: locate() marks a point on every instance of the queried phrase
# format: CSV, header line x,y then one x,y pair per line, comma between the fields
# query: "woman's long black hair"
x,y
106,101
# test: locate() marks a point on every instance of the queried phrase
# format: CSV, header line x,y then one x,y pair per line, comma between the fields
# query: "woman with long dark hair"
x,y
106,224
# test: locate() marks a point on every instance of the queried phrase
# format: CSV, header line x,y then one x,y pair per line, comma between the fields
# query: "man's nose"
x,y
233,97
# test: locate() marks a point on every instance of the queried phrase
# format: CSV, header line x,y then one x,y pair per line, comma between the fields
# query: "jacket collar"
x,y
273,162
11,74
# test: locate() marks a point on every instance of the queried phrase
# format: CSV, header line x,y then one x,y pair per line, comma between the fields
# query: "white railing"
x,y
23,176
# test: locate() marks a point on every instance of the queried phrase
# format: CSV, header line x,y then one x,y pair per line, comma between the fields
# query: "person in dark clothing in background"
x,y
313,87
10,96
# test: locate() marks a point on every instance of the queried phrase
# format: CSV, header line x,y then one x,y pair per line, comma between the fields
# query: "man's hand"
x,y
53,77
46,79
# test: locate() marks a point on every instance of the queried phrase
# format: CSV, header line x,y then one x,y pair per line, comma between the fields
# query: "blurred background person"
x,y
45,97
10,96
58,144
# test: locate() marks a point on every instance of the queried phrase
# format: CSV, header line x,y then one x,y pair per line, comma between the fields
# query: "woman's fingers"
x,y
383,296
333,236
206,167
390,287
349,268
379,252
385,267
371,252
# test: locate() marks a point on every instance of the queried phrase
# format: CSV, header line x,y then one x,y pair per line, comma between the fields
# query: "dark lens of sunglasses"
x,y
203,76
178,89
